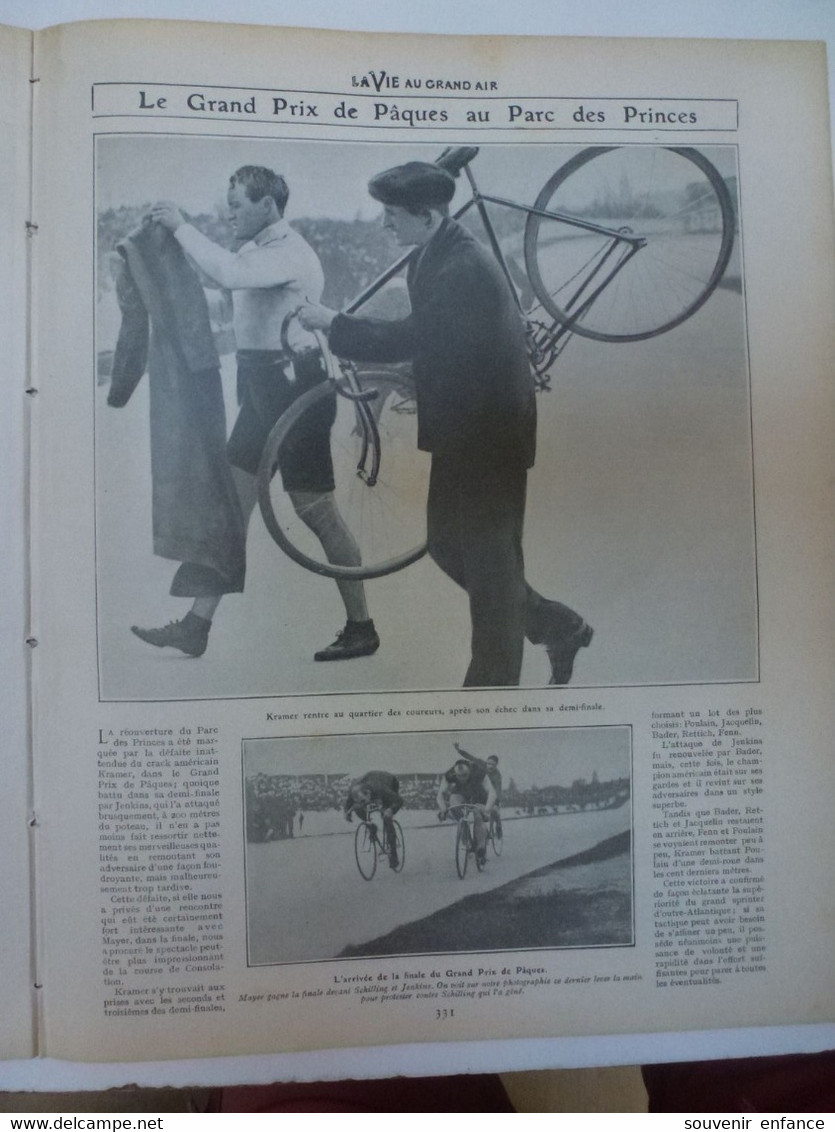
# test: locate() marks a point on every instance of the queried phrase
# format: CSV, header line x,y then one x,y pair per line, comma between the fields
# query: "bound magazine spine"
x,y
31,398
18,997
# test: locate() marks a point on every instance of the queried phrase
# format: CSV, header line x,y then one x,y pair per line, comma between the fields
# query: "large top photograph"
x,y
393,417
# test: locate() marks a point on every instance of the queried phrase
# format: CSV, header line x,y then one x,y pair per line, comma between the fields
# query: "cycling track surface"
x,y
306,899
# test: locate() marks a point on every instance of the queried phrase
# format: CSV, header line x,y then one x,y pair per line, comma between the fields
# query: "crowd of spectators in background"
x,y
275,802
352,252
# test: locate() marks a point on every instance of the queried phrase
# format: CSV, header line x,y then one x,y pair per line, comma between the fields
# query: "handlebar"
x,y
330,363
369,807
462,806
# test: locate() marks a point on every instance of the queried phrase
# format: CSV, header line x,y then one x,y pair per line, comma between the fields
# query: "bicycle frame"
x,y
495,832
546,335
465,841
371,840
371,810
545,340
675,209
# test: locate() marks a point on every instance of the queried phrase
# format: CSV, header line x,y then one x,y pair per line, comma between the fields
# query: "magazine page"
x,y
16,986
539,302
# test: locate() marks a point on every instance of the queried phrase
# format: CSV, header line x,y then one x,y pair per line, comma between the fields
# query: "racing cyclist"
x,y
376,787
467,783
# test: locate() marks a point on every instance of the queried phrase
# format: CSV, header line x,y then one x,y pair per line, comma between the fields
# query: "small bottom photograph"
x,y
361,846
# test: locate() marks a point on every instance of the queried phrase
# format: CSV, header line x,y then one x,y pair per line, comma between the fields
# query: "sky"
x,y
531,756
325,178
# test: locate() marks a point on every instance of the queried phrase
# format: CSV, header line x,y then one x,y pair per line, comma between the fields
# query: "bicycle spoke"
x,y
365,851
671,201
462,848
380,485
400,844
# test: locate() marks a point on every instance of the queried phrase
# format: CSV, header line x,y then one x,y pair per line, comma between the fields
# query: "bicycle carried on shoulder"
x,y
371,842
621,244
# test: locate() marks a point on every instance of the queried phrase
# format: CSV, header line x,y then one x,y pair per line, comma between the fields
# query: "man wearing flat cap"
x,y
476,415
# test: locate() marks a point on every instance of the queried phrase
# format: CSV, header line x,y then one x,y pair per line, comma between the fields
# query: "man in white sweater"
x,y
273,272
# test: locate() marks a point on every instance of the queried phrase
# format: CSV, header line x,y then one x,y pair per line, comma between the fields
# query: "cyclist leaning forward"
x,y
467,783
495,776
379,788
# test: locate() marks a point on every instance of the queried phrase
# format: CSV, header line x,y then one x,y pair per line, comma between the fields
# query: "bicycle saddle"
x,y
455,158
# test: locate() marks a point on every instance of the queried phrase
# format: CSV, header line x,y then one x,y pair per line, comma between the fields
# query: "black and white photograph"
x,y
387,417
419,843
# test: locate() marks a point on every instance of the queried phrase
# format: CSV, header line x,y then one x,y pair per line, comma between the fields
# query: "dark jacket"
x,y
384,789
196,512
472,789
158,286
465,338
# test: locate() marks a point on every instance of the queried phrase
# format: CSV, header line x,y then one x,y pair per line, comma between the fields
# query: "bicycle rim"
x,y
462,848
401,847
496,838
673,198
381,481
365,851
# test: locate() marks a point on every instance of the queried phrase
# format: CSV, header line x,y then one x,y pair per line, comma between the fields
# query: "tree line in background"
x,y
273,802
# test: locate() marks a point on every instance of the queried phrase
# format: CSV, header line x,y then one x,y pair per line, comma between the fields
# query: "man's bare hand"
x,y
313,316
165,212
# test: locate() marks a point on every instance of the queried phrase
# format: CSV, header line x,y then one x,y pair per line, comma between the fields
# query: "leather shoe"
x,y
358,638
548,620
562,651
191,635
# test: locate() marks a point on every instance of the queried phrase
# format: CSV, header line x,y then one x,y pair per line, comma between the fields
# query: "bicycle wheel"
x,y
675,207
381,479
401,847
496,835
365,850
480,861
462,847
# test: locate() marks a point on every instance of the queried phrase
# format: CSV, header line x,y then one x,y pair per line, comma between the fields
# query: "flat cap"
x,y
413,185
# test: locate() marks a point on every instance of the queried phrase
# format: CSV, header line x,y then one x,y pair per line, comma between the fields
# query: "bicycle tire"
x,y
480,861
673,197
462,847
365,851
496,836
400,843
381,483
